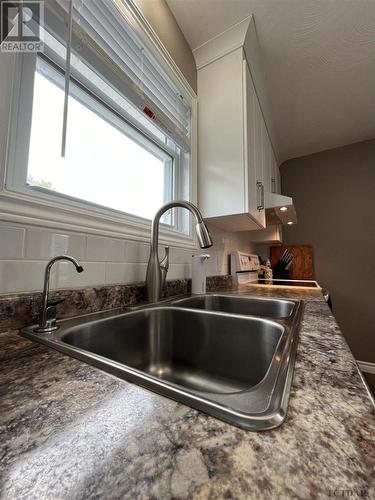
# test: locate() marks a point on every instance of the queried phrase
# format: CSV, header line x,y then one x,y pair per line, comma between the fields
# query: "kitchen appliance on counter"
x,y
245,268
286,282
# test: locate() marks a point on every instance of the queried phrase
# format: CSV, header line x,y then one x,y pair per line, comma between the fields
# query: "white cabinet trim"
x,y
222,44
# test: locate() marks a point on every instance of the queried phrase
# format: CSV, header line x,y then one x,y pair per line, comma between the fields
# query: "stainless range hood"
x,y
279,209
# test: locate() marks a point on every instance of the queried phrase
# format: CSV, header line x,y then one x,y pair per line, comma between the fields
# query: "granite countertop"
x,y
70,431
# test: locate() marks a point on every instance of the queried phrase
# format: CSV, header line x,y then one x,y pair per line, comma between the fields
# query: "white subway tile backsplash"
x,y
77,246
11,242
42,244
47,244
136,252
105,249
212,265
105,260
181,255
179,271
93,274
124,273
114,273
23,276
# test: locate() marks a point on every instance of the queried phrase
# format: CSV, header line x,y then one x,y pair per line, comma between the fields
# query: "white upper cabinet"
x,y
275,181
254,164
236,161
221,154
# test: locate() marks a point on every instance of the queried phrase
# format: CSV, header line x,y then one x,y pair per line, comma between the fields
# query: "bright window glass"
x,y
107,162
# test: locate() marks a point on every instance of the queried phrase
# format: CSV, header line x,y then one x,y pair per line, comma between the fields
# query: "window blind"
x,y
105,40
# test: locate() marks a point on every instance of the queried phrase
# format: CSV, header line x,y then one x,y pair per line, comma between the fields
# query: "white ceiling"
x,y
318,60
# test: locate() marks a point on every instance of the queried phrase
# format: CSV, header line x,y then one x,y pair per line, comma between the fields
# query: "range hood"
x,y
275,209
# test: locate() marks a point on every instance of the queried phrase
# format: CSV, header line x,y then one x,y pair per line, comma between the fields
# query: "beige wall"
x,y
334,193
164,24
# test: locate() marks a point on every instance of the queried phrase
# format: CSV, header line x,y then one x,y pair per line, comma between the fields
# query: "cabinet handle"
x,y
273,184
260,196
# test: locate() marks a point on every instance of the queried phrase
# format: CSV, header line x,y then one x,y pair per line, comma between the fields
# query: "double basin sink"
x,y
230,356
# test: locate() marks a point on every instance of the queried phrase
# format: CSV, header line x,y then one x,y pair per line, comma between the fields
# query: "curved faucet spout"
x,y
48,324
154,281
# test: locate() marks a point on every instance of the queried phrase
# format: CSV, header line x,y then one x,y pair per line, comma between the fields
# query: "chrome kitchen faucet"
x,y
156,271
47,315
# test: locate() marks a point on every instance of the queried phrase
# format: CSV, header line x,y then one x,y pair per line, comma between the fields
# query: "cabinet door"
x,y
270,168
267,159
254,153
260,159
275,180
221,176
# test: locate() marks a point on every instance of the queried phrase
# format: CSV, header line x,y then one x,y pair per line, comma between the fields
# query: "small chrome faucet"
x,y
157,271
47,314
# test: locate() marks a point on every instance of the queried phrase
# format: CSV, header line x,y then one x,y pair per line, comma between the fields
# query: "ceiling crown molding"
x,y
231,39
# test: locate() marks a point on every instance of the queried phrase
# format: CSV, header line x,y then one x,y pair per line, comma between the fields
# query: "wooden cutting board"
x,y
302,267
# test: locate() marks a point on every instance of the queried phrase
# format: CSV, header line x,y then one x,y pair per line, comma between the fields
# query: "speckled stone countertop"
x,y
71,431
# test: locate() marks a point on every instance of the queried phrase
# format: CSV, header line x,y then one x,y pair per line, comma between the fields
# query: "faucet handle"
x,y
55,302
164,264
49,316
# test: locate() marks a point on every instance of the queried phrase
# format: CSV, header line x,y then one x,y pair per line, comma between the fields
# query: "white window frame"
x,y
18,156
58,211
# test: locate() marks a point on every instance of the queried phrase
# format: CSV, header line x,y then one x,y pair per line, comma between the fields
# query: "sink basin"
x,y
204,352
270,308
234,367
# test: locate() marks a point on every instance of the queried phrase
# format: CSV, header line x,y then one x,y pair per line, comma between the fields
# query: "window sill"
x,y
23,209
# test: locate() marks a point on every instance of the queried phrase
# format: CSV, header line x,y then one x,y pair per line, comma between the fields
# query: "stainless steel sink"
x,y
233,304
204,352
235,367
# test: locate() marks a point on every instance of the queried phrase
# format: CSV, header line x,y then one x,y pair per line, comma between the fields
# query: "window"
x,y
107,161
128,147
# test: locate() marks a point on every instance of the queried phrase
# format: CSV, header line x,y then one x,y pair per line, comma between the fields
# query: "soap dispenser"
x,y
198,281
